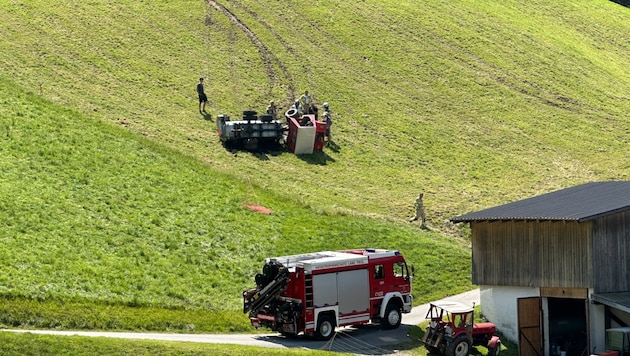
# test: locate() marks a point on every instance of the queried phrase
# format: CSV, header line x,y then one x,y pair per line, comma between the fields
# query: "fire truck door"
x,y
377,281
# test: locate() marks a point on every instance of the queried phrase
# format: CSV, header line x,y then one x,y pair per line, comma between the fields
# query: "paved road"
x,y
368,340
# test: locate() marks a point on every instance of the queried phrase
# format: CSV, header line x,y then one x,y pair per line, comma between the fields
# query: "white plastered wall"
x,y
499,306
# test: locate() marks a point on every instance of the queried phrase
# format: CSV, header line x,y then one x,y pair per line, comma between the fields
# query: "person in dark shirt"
x,y
203,99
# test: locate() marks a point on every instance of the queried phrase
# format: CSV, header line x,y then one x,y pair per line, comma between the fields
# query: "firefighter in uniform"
x,y
419,205
271,110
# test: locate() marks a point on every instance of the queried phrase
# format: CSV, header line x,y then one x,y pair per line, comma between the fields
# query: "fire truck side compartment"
x,y
353,296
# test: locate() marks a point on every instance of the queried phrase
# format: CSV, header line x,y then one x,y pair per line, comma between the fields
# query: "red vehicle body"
x,y
313,293
452,331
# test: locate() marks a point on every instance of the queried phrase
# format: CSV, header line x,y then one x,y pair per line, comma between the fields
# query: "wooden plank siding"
x,y
532,253
611,253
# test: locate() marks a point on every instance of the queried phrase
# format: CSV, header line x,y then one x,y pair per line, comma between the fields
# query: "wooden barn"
x,y
554,269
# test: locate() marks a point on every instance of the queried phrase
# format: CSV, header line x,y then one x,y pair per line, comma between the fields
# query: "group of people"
x,y
305,106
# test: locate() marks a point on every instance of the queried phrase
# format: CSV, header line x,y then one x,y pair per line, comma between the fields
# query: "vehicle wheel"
x,y
393,317
261,280
495,350
291,113
460,347
270,271
325,328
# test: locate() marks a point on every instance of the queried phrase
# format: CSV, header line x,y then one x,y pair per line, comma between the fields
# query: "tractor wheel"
x,y
494,351
393,317
325,328
292,113
459,347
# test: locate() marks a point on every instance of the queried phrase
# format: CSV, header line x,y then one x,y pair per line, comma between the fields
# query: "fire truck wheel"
x,y
460,347
393,316
325,328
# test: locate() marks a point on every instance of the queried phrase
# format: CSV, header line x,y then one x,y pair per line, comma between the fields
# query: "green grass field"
x,y
120,209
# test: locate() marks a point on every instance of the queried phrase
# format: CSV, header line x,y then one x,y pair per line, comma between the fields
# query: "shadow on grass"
x,y
319,158
263,150
334,147
207,116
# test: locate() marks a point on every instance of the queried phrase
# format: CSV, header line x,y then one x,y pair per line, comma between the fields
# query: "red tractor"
x,y
452,331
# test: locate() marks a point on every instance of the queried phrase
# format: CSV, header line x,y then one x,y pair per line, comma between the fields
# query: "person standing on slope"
x,y
328,121
305,104
272,110
203,99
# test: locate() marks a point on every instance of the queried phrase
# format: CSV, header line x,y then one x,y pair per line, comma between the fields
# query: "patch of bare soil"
x,y
258,209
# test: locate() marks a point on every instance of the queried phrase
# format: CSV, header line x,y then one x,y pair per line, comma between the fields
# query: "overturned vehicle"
x,y
302,134
250,132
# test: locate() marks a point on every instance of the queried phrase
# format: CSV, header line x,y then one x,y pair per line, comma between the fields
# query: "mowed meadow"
x,y
120,208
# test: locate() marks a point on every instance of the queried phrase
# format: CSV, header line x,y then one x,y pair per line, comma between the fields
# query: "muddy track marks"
x,y
266,55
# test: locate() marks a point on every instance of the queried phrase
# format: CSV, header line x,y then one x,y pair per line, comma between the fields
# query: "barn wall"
x,y
611,253
499,305
532,253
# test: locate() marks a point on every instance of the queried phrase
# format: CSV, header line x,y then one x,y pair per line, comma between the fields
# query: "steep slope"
x,y
476,103
460,99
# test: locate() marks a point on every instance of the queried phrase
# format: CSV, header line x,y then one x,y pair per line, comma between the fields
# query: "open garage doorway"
x,y
567,326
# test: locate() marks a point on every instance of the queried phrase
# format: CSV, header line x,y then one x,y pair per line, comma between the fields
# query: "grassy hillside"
x,y
115,191
92,214
30,344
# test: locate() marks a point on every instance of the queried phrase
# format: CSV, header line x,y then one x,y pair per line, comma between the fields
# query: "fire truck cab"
x,y
315,292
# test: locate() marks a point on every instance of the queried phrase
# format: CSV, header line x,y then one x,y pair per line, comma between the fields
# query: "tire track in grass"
x,y
266,55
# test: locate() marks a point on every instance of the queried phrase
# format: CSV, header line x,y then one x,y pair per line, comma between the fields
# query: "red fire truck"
x,y
315,292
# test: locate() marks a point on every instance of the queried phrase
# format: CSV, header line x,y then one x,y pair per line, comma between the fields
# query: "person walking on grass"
x,y
419,205
203,99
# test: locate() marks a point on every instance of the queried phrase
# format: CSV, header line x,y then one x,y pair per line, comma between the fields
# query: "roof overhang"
x,y
619,301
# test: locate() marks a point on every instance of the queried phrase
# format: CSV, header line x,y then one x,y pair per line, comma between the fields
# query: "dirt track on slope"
x,y
266,55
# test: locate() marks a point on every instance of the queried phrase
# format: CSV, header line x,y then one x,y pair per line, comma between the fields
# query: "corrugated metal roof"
x,y
580,203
